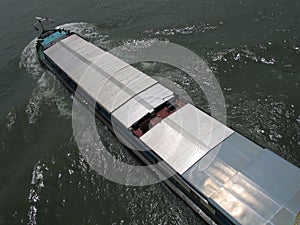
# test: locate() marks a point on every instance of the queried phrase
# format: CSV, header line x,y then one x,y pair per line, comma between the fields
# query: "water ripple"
x,y
11,119
186,30
241,55
37,183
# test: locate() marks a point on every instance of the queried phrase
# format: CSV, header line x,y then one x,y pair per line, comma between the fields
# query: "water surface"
x,y
252,47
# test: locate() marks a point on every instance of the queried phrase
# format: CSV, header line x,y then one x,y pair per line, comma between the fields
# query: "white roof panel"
x,y
185,137
82,47
174,148
110,63
108,79
121,86
90,79
130,112
142,104
200,126
110,95
133,78
156,95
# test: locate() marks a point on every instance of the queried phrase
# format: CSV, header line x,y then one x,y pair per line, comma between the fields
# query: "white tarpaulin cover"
x,y
142,104
249,184
105,77
185,136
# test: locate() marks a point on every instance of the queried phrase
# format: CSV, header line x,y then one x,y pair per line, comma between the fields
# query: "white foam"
x,y
185,30
11,118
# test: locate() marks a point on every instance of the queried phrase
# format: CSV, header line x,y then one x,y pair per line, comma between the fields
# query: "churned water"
x,y
253,48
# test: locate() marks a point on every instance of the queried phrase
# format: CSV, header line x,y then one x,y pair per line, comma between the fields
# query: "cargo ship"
x,y
244,183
